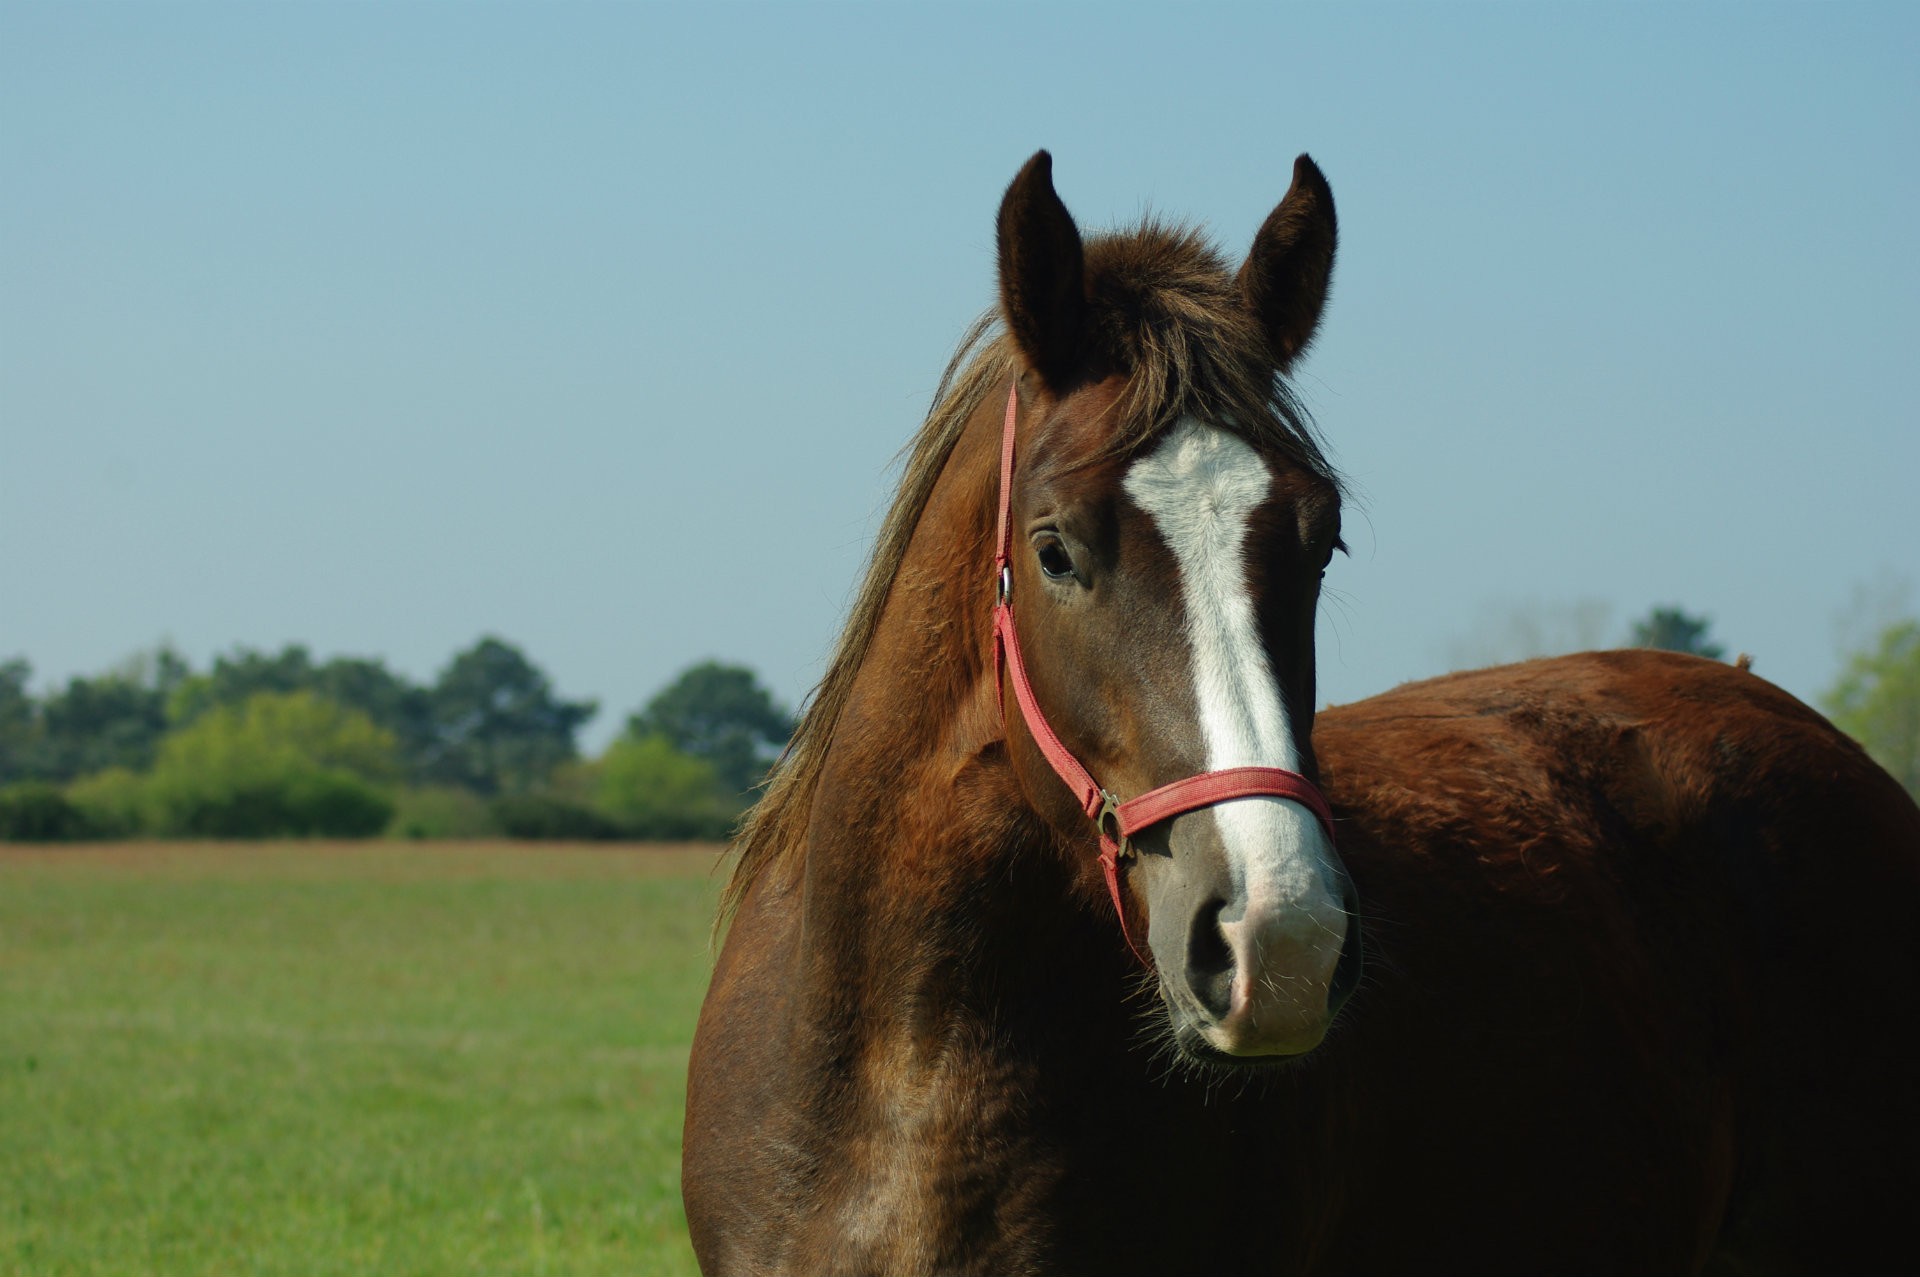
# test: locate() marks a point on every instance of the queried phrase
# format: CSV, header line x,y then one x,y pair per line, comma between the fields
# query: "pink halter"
x,y
1117,821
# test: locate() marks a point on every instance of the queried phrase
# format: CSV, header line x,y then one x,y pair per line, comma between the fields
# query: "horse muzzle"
x,y
1255,959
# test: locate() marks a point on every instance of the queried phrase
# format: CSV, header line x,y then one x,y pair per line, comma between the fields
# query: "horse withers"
x,y
1066,940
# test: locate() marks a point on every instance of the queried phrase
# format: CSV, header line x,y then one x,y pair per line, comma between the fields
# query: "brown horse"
x,y
1641,966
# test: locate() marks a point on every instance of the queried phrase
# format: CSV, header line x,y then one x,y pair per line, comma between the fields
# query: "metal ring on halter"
x,y
1006,582
1108,823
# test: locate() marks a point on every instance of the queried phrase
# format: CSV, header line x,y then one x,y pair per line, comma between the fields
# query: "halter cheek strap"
x,y
1116,821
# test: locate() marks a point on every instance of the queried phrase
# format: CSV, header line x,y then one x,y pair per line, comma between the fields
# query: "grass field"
x,y
368,1059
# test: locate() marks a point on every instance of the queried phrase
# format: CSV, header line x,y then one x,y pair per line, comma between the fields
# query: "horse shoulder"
x,y
736,1166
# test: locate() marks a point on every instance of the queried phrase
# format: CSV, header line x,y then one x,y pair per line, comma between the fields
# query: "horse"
x,y
1068,937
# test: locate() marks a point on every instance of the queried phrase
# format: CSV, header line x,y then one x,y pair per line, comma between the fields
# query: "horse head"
x,y
1167,521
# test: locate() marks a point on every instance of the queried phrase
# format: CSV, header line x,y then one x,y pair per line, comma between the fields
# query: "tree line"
x,y
279,744
272,744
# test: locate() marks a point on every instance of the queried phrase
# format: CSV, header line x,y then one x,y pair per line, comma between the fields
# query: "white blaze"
x,y
1201,485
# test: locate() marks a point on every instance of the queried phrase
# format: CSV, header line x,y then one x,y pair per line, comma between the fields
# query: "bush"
x,y
441,812
34,811
652,790
272,731
299,803
281,764
545,816
113,802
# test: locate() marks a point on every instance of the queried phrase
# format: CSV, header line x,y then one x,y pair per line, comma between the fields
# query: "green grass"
x,y
369,1059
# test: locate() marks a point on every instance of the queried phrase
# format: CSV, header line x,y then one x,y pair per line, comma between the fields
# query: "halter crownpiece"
x,y
1116,821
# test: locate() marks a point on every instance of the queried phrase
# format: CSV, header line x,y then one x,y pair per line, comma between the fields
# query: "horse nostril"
x,y
1210,961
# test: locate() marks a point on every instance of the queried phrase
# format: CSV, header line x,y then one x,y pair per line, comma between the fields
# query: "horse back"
x,y
1643,972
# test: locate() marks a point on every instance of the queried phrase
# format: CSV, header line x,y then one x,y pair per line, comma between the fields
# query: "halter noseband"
x,y
1116,821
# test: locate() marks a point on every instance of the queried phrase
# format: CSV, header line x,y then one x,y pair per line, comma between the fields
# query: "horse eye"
x,y
1055,561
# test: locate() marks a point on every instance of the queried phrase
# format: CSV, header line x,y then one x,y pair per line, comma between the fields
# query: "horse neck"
x,y
915,1017
928,877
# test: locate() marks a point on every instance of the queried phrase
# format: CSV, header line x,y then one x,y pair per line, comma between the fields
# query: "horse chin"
x,y
1193,1048
1196,1046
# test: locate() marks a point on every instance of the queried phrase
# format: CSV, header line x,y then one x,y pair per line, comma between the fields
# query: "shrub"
x,y
546,816
113,802
652,790
441,812
272,730
280,764
35,811
299,803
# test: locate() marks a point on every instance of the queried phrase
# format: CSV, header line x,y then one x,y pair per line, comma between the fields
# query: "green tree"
x,y
366,684
719,713
19,722
283,763
1876,700
113,720
96,723
1671,630
238,676
391,700
498,725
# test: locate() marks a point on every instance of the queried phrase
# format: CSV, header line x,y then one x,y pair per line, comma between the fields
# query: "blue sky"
x,y
379,327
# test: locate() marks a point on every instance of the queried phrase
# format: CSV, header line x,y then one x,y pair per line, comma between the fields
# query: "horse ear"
x,y
1284,278
1042,274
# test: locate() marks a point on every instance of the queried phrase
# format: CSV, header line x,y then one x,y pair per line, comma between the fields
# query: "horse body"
x,y
1640,958
1646,968
1610,1024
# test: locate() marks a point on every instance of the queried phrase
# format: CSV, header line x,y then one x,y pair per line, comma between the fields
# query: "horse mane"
x,y
1164,307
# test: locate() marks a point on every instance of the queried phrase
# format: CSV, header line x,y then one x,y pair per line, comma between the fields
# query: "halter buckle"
x,y
1108,823
1005,584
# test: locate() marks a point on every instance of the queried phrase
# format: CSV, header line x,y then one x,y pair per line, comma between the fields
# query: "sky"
x,y
380,327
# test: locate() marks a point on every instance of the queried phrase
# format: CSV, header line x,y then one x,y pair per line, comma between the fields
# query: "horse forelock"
x,y
1164,311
